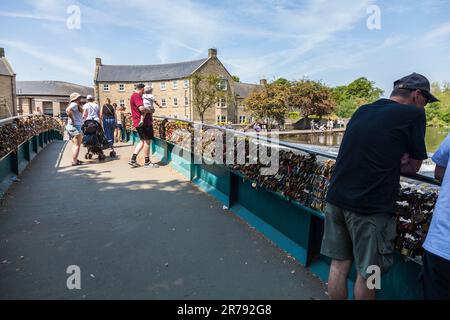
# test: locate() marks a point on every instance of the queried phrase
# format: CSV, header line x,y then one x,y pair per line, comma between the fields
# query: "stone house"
x,y
7,88
171,87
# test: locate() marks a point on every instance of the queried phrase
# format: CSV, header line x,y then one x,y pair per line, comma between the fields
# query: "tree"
x,y
359,92
438,113
236,78
268,104
310,98
282,81
206,90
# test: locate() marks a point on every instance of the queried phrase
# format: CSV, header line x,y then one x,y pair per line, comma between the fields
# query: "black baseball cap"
x,y
416,81
140,86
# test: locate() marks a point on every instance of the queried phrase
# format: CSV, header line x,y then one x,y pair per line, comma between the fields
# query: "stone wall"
x,y
7,97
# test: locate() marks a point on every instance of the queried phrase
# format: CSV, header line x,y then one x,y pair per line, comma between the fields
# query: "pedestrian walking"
x,y
108,119
145,131
75,121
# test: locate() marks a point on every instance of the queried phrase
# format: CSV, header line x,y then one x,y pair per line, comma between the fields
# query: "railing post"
x,y
27,151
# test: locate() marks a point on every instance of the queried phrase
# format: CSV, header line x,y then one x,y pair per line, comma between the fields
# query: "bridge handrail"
x,y
417,177
11,119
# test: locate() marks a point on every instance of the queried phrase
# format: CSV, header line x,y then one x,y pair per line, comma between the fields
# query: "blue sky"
x,y
320,39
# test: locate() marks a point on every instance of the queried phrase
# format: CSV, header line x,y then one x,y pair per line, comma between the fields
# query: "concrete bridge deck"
x,y
135,234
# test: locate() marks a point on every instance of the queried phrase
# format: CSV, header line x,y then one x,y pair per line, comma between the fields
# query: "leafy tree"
x,y
236,78
359,92
438,113
268,104
282,81
310,98
205,92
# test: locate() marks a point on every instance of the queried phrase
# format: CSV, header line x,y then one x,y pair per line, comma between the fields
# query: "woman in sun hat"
x,y
75,114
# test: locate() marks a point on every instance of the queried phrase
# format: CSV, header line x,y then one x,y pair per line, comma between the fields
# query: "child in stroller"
x,y
94,140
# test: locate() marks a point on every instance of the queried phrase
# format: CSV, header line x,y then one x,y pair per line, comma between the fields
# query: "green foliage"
x,y
282,81
310,97
268,104
236,78
294,115
359,92
438,113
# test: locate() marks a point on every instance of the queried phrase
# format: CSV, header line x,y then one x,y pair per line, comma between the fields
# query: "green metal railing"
x,y
295,228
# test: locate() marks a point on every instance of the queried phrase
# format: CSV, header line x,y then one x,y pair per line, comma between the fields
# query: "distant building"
x,y
7,88
242,91
171,87
48,97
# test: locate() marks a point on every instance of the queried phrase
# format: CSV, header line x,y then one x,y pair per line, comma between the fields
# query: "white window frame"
x,y
163,102
242,119
175,84
122,103
106,87
175,102
163,85
221,102
223,84
121,87
186,83
186,101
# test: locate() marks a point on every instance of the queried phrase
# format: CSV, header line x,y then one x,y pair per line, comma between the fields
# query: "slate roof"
x,y
243,90
143,73
51,88
5,68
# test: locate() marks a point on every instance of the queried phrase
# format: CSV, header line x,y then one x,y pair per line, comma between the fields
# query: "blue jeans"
x,y
109,124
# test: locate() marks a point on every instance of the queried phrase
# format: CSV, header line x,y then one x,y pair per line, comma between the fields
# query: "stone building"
x,y
7,88
48,97
171,87
241,91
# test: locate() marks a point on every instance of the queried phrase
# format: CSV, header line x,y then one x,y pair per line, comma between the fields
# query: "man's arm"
x,y
439,173
409,165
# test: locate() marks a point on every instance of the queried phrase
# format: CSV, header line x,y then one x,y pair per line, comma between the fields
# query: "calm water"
x,y
433,138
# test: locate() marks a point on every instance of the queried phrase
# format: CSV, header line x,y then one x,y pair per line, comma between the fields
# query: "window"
x,y
222,102
174,84
122,103
175,102
242,119
163,86
163,102
106,87
121,87
221,119
186,101
186,83
223,85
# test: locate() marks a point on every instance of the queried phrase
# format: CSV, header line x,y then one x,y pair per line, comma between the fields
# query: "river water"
x,y
433,138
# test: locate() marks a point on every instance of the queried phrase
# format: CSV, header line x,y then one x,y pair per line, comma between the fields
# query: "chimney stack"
x,y
263,82
98,61
2,52
212,53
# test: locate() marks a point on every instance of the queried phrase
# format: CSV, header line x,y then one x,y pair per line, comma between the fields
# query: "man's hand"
x,y
409,165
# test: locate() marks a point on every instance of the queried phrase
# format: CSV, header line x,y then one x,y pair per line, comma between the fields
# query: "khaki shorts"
x,y
366,239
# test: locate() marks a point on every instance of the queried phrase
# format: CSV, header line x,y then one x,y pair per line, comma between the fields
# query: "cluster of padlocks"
x,y
414,212
305,179
14,133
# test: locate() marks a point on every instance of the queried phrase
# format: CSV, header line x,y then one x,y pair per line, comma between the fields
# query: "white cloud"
x,y
43,54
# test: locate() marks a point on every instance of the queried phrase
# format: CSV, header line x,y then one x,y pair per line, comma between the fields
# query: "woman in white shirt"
x,y
74,123
91,110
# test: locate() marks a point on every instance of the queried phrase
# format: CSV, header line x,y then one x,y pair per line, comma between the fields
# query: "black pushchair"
x,y
94,140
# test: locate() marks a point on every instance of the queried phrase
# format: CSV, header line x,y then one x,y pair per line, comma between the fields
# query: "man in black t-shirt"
x,y
382,140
